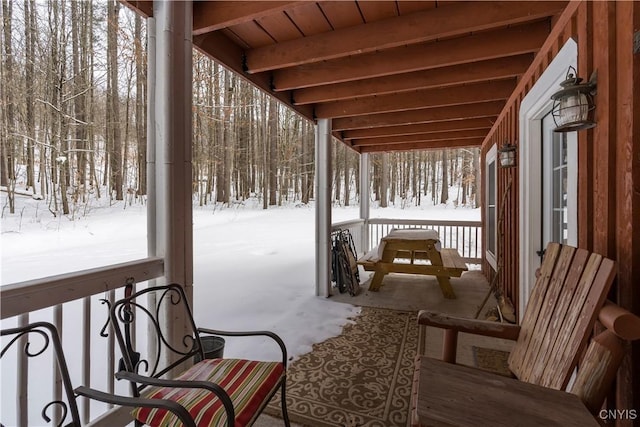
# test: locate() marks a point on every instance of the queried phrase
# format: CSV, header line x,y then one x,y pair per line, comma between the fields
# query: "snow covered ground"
x,y
253,268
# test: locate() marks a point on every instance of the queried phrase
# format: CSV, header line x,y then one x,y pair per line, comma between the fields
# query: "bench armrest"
x,y
162,382
138,402
471,326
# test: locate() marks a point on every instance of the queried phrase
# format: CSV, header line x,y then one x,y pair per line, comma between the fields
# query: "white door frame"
x,y
533,108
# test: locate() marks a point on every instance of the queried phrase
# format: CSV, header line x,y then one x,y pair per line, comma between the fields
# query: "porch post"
x,y
171,128
365,187
323,207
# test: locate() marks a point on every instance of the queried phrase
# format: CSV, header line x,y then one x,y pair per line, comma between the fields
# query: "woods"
x,y
74,106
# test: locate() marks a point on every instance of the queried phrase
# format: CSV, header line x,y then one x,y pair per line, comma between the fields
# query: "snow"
x,y
253,268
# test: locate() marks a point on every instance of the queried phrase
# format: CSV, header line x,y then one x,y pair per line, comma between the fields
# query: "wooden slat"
x,y
214,15
542,335
570,320
427,98
435,136
585,319
419,27
478,47
557,317
516,357
424,145
452,125
455,395
493,69
451,258
427,115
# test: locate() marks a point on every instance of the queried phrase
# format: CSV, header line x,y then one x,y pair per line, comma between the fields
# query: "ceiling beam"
x,y
492,69
426,115
474,48
429,145
451,125
428,98
214,15
419,27
141,7
421,137
217,46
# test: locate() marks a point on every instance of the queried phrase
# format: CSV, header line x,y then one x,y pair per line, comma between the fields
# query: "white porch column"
x,y
171,128
172,131
323,207
365,198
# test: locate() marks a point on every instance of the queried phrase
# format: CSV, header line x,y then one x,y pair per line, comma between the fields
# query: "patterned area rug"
x,y
491,360
361,378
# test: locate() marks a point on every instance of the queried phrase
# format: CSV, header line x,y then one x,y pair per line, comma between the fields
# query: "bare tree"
x,y
7,154
114,139
444,191
273,151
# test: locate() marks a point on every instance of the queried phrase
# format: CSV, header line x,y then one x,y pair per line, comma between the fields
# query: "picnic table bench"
x,y
413,251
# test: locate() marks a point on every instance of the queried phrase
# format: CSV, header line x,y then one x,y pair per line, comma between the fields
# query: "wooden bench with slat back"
x,y
564,304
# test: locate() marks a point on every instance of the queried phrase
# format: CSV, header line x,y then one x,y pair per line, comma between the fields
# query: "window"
x,y
491,207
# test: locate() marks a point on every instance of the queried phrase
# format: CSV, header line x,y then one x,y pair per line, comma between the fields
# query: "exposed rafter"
x,y
213,15
418,27
421,137
479,47
408,146
426,115
493,69
392,76
428,98
220,48
421,128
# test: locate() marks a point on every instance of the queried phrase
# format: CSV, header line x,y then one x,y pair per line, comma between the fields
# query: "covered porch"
x,y
391,76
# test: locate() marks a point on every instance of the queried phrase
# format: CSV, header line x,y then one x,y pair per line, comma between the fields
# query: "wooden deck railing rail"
x,y
464,236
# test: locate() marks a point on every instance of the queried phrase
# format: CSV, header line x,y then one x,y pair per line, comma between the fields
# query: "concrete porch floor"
x,y
409,292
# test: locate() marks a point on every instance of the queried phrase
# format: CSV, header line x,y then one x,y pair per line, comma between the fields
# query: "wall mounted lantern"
x,y
573,104
507,155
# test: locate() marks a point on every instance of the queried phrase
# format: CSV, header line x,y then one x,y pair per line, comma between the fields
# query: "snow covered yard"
x,y
253,268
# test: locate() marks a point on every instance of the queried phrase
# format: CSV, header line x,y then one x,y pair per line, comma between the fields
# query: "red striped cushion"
x,y
249,383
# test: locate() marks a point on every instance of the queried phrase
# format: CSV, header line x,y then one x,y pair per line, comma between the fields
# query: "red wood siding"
x,y
608,158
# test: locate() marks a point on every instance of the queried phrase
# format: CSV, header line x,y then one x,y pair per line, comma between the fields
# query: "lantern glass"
x,y
507,156
572,104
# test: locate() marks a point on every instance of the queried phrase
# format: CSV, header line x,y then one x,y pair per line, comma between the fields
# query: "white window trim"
x,y
492,156
533,108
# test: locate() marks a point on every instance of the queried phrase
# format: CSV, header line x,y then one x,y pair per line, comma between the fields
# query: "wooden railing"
x,y
464,236
25,302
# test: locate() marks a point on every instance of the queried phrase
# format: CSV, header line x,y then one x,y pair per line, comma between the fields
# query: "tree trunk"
x,y
7,177
444,191
273,151
30,34
113,107
476,177
347,176
141,113
384,181
227,144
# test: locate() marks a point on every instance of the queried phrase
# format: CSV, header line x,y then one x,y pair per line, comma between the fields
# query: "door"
x,y
559,186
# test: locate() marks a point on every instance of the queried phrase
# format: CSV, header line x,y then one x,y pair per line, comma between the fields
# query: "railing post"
x,y
323,207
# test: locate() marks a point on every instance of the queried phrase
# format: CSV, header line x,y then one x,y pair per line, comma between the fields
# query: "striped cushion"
x,y
248,383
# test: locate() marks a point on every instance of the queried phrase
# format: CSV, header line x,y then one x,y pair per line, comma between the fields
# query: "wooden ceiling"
x,y
393,75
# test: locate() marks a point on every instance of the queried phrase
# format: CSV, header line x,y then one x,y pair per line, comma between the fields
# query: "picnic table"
x,y
414,251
